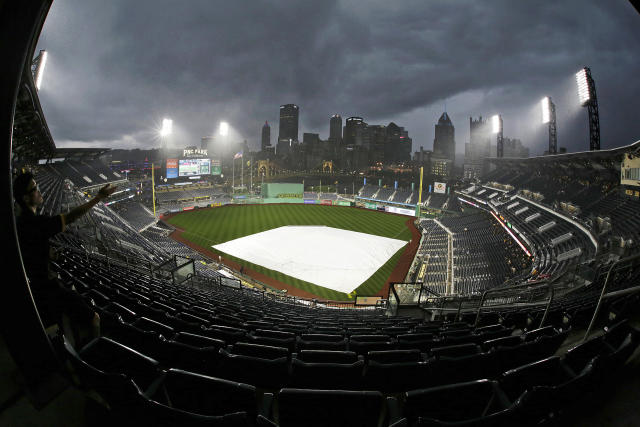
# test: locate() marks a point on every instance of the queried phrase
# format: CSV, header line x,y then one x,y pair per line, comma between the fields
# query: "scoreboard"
x,y
193,167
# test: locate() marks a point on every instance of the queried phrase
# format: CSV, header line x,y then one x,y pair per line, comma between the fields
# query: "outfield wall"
x,y
282,190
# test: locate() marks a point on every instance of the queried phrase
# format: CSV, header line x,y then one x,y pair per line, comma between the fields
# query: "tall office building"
x,y
288,133
266,136
398,144
354,130
478,148
335,129
444,144
378,140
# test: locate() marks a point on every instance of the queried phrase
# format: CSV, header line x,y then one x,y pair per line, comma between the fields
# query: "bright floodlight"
x,y
40,71
495,124
583,86
224,128
546,110
167,127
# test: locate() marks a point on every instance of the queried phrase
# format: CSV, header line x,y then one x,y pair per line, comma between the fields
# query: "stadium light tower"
x,y
496,127
224,128
549,116
588,98
167,127
37,67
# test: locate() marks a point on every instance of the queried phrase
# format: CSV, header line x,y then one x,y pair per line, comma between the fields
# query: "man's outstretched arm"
x,y
78,211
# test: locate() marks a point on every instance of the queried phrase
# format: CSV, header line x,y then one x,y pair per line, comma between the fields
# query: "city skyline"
x,y
114,72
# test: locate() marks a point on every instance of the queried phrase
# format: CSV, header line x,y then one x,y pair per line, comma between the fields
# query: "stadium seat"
x,y
127,314
395,356
330,408
204,395
470,403
544,380
624,340
273,338
115,371
181,325
395,371
327,375
321,342
540,332
363,344
228,334
154,326
509,341
451,351
446,370
327,356
157,414
195,340
492,332
257,365
578,356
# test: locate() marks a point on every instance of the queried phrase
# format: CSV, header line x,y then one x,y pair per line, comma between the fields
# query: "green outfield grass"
x,y
210,227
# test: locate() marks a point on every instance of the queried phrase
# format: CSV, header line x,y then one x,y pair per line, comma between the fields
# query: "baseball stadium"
x,y
338,282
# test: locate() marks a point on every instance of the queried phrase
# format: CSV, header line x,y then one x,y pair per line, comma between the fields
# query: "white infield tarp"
x,y
336,259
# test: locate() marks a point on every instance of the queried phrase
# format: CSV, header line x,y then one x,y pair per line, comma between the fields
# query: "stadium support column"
x,y
588,98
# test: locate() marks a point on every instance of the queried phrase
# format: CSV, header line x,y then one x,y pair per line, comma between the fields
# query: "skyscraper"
x,y
335,129
266,136
398,144
354,130
478,148
288,133
444,144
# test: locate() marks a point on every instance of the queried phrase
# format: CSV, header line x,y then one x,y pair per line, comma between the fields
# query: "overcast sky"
x,y
117,67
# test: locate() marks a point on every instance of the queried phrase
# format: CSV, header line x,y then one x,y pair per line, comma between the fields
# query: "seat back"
x,y
329,408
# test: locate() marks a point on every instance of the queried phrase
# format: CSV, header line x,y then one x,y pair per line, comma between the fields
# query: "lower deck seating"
x,y
163,343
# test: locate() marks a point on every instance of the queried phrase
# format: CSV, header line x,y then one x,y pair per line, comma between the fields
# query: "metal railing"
x,y
604,295
526,286
414,287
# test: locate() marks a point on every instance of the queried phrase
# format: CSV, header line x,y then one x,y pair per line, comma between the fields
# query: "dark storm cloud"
x,y
118,67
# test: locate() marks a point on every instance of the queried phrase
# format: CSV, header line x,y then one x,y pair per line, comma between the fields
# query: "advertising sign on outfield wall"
x,y
326,202
309,201
343,203
367,300
370,205
401,211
